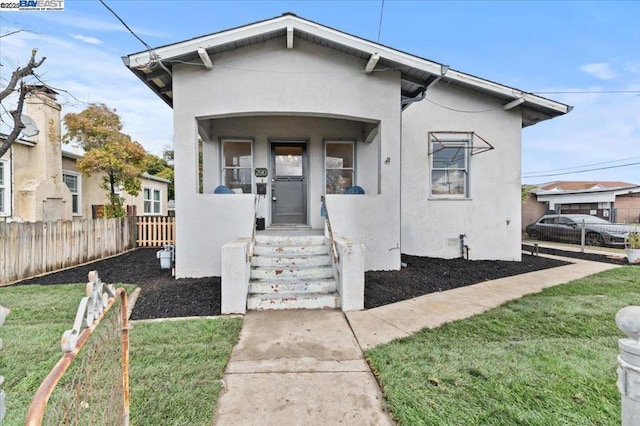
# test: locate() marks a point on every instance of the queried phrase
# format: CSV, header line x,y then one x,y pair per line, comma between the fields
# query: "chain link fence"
x,y
90,383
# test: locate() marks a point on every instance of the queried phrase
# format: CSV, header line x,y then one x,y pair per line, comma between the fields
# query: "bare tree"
x,y
17,78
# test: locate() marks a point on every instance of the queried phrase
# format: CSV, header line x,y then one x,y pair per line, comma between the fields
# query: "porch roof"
x,y
154,66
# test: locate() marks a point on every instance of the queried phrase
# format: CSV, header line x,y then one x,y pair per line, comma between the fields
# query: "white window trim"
x,y
152,201
79,193
7,188
465,141
224,168
351,142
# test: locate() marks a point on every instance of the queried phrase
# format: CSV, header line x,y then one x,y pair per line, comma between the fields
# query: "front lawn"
x,y
175,367
546,359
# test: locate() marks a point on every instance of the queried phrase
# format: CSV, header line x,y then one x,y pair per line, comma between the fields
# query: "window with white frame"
x,y
152,203
339,163
5,188
237,165
450,165
72,180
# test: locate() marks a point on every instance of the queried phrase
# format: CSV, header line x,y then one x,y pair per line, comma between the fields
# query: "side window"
x,y
566,221
156,201
146,195
237,165
72,180
5,188
339,163
450,166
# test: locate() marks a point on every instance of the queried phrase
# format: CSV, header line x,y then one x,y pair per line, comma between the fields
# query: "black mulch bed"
x,y
618,260
162,296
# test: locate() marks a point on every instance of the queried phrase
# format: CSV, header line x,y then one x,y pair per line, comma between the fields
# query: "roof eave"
x,y
534,108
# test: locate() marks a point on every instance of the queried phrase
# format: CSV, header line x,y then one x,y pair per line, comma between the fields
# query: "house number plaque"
x,y
261,172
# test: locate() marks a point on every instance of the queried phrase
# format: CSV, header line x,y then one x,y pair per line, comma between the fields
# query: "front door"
x,y
288,183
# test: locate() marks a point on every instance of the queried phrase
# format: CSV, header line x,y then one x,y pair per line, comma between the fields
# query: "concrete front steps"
x,y
291,272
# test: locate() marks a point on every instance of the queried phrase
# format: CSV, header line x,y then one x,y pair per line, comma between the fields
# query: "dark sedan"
x,y
568,228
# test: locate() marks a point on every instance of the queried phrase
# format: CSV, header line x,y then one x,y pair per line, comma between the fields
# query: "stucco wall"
x,y
490,217
269,79
92,193
38,190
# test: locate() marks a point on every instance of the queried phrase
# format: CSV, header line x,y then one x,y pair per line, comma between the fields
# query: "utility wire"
x,y
582,171
380,23
580,167
126,26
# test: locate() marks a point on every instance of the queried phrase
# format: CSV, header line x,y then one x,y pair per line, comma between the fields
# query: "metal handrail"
x,y
253,232
332,240
38,405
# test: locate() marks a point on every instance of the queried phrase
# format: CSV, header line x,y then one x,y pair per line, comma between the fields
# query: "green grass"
x,y
546,359
175,367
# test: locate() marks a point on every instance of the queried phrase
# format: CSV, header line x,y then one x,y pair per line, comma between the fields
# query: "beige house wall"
x,y
93,194
39,194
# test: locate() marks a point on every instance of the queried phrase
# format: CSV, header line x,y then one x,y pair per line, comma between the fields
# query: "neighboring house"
x,y
613,201
39,181
437,151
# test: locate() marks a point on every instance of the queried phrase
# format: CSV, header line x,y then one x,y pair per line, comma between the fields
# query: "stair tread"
x,y
291,295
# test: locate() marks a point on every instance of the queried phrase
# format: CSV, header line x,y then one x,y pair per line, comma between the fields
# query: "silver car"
x,y
568,228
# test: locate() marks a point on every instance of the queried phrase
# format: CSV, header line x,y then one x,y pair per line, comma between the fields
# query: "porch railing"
x,y
253,232
332,240
97,395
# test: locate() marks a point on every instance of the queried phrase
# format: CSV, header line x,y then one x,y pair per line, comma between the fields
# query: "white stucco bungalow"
x,y
317,111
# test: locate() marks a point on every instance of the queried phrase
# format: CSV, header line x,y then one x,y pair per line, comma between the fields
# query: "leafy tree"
x,y
526,189
107,150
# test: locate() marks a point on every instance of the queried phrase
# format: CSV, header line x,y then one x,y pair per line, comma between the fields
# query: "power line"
x,y
579,167
580,92
380,23
582,171
126,26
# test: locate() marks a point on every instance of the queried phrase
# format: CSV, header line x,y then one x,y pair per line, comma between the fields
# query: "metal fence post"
x,y
582,236
628,320
3,314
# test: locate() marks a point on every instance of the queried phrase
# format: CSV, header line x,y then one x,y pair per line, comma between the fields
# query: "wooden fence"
x,y
155,231
32,248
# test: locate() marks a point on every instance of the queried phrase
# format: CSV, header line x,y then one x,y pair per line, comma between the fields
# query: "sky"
x,y
586,52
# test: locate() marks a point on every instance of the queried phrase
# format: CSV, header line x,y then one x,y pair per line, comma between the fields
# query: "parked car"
x,y
568,228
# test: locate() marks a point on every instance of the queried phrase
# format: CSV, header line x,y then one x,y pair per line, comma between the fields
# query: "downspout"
x,y
406,102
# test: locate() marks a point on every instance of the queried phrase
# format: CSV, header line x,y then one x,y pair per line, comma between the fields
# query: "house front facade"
x,y
286,112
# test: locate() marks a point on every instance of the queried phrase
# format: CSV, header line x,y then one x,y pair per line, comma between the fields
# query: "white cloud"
x,y
86,39
92,74
600,70
87,22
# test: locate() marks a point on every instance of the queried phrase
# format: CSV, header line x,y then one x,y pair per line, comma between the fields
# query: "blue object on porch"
x,y
354,190
223,190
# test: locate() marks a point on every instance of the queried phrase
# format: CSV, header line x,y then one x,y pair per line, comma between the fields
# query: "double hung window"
x,y
152,204
72,180
237,164
450,166
339,166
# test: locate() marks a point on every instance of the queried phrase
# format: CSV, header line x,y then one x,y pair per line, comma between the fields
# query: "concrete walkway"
x,y
299,367
305,367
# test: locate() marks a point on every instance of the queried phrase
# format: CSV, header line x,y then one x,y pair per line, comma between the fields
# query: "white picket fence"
x,y
28,249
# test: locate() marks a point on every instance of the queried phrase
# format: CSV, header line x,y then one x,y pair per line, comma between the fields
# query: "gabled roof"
x,y
153,67
582,185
